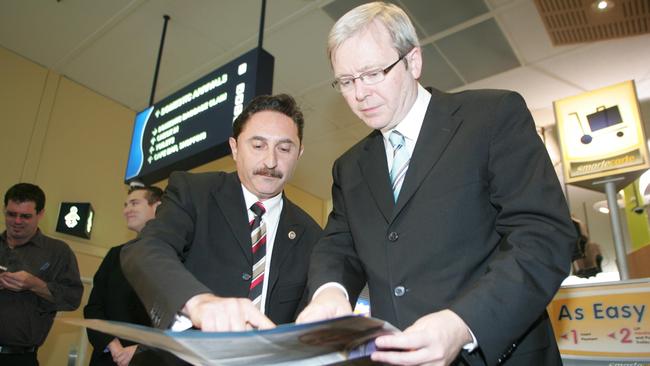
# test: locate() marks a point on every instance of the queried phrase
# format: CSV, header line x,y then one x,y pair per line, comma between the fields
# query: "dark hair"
x,y
26,192
282,103
153,194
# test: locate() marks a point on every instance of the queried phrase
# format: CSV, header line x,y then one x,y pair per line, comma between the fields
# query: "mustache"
x,y
267,172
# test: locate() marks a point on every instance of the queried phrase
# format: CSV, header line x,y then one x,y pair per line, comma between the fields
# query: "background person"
x,y
112,298
41,277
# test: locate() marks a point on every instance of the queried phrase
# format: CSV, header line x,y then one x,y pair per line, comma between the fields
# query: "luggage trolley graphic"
x,y
604,121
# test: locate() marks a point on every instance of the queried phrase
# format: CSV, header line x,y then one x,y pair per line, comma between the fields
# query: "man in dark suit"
x,y
193,265
112,298
450,210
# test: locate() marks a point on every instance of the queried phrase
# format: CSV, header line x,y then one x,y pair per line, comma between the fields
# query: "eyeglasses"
x,y
15,215
372,77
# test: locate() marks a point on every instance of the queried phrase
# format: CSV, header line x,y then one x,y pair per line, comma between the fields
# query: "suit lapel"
x,y
438,128
287,236
374,168
230,200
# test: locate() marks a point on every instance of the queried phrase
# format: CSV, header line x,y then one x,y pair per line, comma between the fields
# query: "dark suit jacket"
x,y
481,227
199,242
112,298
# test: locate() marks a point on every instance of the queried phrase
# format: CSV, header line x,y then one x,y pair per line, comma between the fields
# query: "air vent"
x,y
576,21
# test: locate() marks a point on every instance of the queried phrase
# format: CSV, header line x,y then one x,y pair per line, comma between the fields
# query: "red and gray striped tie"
x,y
258,238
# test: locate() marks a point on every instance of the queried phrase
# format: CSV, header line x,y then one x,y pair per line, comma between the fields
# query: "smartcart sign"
x,y
603,322
601,135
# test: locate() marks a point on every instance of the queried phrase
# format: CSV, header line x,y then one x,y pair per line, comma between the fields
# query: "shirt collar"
x,y
37,239
412,123
269,204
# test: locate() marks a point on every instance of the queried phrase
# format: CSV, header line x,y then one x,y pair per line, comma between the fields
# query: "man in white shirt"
x,y
450,210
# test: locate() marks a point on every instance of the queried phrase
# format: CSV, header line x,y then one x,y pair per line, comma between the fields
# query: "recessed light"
x,y
602,5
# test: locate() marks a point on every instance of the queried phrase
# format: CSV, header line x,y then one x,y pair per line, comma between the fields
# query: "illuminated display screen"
x,y
75,218
192,126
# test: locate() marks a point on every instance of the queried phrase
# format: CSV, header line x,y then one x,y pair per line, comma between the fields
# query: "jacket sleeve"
x,y
334,258
99,299
153,262
537,236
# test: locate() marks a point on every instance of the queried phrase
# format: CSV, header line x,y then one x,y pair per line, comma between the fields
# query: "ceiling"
x,y
111,48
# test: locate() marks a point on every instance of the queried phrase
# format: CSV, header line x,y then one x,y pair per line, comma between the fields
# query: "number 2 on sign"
x,y
625,332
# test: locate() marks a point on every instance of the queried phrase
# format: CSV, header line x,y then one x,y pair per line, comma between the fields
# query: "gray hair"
x,y
395,20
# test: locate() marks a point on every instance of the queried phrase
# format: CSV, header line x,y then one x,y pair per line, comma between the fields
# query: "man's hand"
x,y
434,339
121,355
25,281
329,303
17,281
115,347
124,357
212,313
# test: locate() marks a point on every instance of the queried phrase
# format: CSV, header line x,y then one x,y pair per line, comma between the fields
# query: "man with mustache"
x,y
199,262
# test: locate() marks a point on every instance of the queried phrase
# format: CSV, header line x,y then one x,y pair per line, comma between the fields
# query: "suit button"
x,y
393,236
399,291
245,276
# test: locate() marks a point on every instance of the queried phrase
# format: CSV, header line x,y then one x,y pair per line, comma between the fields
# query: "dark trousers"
x,y
18,359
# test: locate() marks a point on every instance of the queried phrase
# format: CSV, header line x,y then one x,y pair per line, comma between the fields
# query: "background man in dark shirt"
x,y
39,277
112,298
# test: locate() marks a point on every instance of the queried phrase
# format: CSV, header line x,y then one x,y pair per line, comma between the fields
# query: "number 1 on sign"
x,y
575,336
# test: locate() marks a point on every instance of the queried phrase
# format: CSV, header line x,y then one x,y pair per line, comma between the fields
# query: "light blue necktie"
x,y
401,160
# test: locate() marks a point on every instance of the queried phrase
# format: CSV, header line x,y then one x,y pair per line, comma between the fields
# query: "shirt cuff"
x,y
331,284
469,347
181,323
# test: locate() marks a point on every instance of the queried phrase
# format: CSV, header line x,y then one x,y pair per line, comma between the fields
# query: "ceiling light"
x,y
578,21
602,5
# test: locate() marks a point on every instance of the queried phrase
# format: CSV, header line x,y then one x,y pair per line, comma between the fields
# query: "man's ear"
x,y
233,147
414,59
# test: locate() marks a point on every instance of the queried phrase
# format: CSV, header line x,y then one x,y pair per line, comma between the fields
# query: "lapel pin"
x,y
292,235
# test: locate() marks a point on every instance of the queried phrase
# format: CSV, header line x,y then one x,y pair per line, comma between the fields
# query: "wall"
x,y
73,143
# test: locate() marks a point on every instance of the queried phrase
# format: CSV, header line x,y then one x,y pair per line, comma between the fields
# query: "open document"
x,y
319,343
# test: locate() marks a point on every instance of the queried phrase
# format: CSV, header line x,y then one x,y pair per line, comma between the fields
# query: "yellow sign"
x,y
609,321
601,134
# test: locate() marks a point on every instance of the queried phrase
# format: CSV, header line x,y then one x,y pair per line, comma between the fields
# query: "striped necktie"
x,y
401,160
258,239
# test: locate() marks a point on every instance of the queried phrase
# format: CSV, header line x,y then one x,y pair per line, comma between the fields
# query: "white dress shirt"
x,y
410,128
